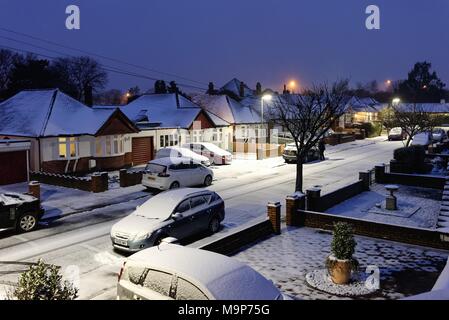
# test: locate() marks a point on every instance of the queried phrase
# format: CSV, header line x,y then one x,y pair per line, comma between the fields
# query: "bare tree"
x,y
413,119
81,73
7,62
308,117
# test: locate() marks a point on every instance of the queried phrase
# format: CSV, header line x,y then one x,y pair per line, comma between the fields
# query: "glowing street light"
x,y
396,101
388,82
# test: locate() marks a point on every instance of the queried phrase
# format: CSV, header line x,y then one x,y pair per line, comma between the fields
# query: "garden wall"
x,y
415,180
95,183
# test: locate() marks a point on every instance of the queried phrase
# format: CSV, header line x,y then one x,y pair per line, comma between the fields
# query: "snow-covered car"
x,y
173,173
439,135
396,134
422,138
19,211
215,154
289,154
176,213
178,152
173,272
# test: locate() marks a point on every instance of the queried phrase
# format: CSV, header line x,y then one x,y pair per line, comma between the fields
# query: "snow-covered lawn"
x,y
286,259
422,204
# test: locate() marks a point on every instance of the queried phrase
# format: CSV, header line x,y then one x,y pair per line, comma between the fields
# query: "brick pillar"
x,y
123,178
99,182
293,203
34,188
379,171
365,177
313,199
274,214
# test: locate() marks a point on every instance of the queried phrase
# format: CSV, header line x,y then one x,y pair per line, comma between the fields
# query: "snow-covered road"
x,y
81,242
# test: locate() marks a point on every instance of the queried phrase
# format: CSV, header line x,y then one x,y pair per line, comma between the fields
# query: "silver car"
x,y
178,213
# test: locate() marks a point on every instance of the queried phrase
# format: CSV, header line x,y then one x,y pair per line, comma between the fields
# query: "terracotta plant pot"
x,y
340,270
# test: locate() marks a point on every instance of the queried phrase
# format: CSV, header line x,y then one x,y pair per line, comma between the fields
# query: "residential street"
x,y
82,239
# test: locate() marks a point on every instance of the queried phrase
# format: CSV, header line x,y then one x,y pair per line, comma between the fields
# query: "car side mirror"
x,y
177,216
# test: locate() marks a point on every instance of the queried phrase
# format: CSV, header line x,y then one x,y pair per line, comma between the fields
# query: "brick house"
x,y
67,136
167,120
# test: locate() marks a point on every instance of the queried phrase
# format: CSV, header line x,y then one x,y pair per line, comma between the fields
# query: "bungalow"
x,y
243,122
360,110
169,120
65,135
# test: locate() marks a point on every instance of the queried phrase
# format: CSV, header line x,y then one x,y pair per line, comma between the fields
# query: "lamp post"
x,y
265,97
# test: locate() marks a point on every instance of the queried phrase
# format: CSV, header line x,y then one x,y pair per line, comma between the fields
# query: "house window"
x,y
99,147
169,140
68,148
109,146
197,136
217,135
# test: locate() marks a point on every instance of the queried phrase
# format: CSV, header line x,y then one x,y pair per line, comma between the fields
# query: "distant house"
x,y
67,136
441,108
237,89
244,122
168,120
360,110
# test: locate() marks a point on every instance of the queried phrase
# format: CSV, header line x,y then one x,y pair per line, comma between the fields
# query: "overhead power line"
x,y
105,67
100,56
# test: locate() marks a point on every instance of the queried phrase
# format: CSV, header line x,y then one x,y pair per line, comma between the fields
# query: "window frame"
x,y
68,143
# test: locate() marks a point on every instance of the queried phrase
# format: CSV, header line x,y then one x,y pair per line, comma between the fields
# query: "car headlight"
x,y
142,236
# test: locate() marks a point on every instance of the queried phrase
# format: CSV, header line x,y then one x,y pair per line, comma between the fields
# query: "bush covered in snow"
x,y
44,282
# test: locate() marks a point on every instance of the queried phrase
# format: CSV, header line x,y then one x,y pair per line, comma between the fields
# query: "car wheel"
x,y
27,222
214,225
174,185
208,180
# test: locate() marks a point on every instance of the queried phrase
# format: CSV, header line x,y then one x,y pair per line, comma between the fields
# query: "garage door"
x,y
142,150
13,167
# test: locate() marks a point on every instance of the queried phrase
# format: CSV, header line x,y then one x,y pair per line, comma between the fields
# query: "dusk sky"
x,y
270,41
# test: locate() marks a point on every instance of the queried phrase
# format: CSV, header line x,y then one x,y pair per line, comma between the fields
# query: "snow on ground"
x,y
426,201
405,270
60,201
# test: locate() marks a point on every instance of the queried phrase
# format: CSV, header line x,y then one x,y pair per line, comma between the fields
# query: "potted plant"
x,y
340,264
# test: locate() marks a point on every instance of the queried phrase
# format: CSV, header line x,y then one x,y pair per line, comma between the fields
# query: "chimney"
x,y
88,96
242,89
443,101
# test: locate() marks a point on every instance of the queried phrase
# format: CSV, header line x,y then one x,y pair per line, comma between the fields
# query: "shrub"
x,y
343,243
412,157
44,282
371,129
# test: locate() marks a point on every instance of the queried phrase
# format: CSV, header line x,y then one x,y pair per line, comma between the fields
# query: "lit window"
x,y
72,147
62,148
99,147
108,146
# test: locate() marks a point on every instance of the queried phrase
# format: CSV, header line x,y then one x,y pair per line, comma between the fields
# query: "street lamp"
x,y
396,101
265,97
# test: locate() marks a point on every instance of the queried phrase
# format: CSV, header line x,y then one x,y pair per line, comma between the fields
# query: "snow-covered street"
x,y
81,241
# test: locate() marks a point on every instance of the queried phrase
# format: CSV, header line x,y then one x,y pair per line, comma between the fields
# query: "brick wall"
x,y
416,236
415,180
114,163
59,166
128,179
96,183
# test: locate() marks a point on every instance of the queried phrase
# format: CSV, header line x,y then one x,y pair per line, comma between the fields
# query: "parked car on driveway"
x,y
396,134
422,138
19,211
173,272
173,173
176,213
177,152
215,154
289,154
439,135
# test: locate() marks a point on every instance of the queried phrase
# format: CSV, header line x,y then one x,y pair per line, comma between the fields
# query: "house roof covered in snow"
x,y
162,110
44,113
227,109
234,87
427,107
367,104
